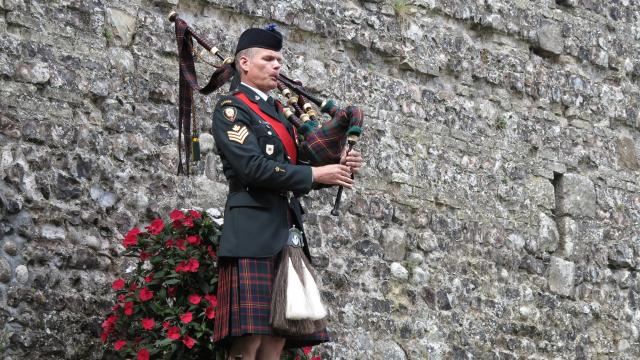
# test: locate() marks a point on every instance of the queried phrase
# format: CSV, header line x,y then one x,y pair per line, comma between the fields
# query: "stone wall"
x,y
498,216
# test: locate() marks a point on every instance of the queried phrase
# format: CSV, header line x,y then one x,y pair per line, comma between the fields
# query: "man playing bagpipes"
x,y
258,315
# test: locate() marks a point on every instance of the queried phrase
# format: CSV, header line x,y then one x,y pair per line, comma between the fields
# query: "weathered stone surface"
x,y
549,236
627,156
5,270
399,272
35,73
576,196
121,28
561,275
549,38
394,243
22,274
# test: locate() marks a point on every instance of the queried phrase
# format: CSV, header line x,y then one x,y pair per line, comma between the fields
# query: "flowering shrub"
x,y
166,307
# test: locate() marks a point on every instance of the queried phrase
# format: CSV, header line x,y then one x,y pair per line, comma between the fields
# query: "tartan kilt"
x,y
244,302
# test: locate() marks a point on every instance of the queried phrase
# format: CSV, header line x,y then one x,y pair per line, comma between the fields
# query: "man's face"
x,y
261,68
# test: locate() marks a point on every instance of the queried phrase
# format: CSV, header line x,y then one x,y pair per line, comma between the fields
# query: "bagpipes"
x,y
296,306
322,141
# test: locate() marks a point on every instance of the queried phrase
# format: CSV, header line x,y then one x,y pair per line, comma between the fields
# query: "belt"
x,y
237,186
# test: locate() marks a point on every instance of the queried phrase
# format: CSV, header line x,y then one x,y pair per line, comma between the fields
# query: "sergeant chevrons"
x,y
261,178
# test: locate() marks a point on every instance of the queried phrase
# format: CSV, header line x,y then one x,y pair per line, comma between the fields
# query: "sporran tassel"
x,y
296,305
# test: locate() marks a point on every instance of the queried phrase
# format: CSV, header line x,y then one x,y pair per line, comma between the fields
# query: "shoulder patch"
x,y
229,113
226,102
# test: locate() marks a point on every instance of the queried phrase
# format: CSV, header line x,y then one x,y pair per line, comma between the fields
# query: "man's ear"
x,y
244,63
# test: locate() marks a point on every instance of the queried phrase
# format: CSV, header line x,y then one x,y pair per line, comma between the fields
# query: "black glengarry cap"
x,y
268,38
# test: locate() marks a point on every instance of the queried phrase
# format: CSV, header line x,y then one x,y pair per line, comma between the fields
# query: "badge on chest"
x,y
269,149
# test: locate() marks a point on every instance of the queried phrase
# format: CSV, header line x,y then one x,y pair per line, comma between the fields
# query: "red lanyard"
x,y
279,127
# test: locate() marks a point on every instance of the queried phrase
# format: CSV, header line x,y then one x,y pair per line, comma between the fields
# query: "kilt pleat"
x,y
244,302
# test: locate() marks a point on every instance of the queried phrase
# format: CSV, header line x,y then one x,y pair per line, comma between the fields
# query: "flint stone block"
x,y
576,196
52,232
36,73
550,38
10,247
394,244
561,276
389,350
627,156
399,272
5,270
548,232
22,274
123,26
569,230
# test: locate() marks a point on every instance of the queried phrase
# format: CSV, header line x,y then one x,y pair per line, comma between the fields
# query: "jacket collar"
x,y
264,106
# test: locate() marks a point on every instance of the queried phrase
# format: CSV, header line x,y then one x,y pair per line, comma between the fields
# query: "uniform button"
x,y
269,132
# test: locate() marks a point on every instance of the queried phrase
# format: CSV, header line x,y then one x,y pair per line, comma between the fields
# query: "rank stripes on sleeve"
x,y
238,134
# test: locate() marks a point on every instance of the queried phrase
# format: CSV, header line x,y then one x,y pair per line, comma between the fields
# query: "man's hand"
x,y
334,174
353,160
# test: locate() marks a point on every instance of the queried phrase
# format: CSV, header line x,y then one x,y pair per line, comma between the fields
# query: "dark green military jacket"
x,y
261,178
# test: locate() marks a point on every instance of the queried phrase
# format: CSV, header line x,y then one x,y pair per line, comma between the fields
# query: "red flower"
x,y
316,358
143,354
119,344
149,278
172,291
211,252
131,238
169,243
212,299
144,255
148,323
195,299
193,239
181,244
155,227
188,222
145,294
104,336
306,350
195,214
186,317
173,333
165,325
133,286
122,297
297,357
194,264
118,284
210,312
188,342
115,307
176,215
128,308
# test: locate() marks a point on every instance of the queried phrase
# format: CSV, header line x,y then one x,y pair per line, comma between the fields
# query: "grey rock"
x,y
10,247
52,232
627,156
415,258
621,256
549,235
91,242
394,244
561,276
419,276
398,271
576,196
206,143
121,60
427,240
550,38
568,228
5,270
22,274
122,26
35,73
388,350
